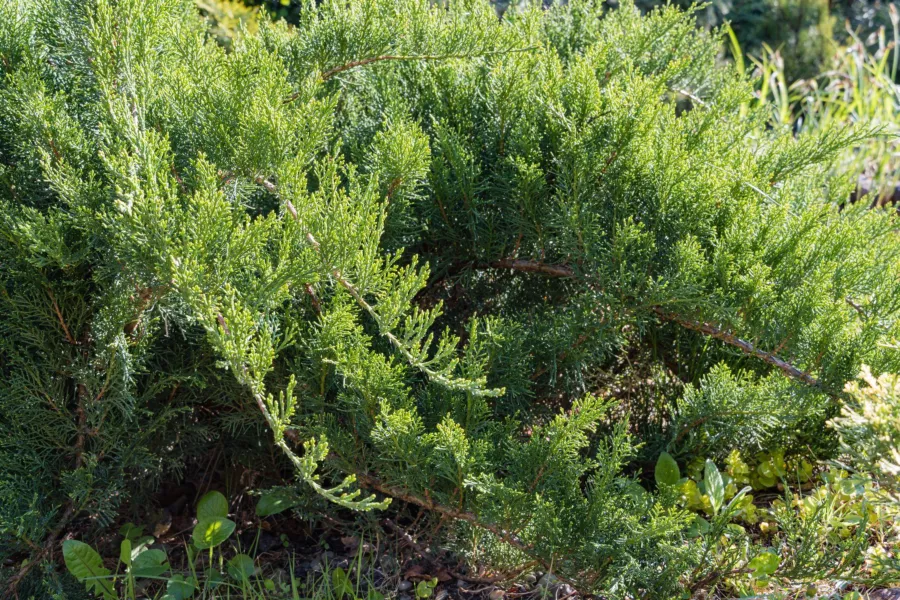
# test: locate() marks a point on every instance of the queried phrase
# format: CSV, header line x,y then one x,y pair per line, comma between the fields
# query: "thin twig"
x,y
563,355
531,266
693,97
496,578
312,296
701,420
62,321
698,326
270,187
14,581
80,437
856,307
397,57
477,591
513,540
146,296
401,494
713,577
746,347
82,425
424,553
410,541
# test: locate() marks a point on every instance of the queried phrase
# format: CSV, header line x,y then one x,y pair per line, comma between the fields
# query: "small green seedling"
x,y
425,589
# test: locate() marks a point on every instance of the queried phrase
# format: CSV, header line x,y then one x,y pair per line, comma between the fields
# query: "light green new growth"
x,y
491,267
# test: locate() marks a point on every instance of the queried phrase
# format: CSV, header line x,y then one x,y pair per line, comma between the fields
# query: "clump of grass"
x,y
858,88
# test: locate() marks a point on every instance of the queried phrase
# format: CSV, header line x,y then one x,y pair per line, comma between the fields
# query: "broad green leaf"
x,y
131,531
212,505
853,487
714,485
778,465
423,590
636,492
240,567
765,564
179,588
341,583
149,563
274,502
667,471
125,552
209,533
213,579
85,564
767,481
698,527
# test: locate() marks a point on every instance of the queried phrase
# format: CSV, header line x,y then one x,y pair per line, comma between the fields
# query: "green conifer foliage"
x,y
400,241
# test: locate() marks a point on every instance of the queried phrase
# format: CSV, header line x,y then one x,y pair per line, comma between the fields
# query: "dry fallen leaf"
x,y
416,572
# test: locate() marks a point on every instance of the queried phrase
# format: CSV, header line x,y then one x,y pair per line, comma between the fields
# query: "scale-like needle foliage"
x,y
399,242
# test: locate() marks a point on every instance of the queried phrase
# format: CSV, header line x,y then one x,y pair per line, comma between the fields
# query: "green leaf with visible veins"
x,y
667,471
149,563
212,505
209,533
715,487
85,564
274,502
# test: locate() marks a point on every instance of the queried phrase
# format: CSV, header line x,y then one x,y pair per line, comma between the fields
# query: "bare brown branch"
x,y
46,550
399,57
401,494
367,61
708,329
59,316
313,297
270,187
746,347
530,266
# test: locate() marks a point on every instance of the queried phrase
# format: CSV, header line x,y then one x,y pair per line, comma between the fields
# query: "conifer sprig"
x,y
185,256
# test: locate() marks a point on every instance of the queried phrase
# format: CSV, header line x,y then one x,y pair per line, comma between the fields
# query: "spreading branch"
x,y
563,271
46,550
326,75
410,541
530,266
62,322
746,347
81,433
397,343
513,540
368,61
417,57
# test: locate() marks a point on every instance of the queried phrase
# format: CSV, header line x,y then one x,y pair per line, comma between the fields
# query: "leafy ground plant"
x,y
143,565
